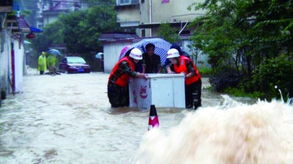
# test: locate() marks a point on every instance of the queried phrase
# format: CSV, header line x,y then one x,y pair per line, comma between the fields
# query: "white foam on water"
x,y
232,133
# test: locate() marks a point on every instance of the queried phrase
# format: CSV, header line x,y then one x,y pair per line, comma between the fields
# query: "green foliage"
x,y
53,34
242,93
82,29
242,34
79,31
274,74
168,33
100,2
205,71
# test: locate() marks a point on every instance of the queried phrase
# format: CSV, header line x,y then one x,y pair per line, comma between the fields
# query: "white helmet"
x,y
136,54
173,53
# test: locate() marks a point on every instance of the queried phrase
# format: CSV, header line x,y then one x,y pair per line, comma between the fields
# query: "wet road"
x,y
67,119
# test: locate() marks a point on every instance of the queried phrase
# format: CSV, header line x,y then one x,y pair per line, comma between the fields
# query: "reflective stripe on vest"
x,y
182,68
122,81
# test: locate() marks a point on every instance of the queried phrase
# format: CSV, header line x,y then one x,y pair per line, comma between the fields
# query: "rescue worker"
x,y
42,63
177,47
183,64
151,61
51,64
119,78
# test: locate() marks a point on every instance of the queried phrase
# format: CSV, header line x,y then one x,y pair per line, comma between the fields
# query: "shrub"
x,y
225,78
274,72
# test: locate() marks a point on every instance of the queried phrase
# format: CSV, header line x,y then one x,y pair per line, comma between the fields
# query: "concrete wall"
x,y
50,19
112,54
19,65
6,63
144,11
174,11
128,16
5,50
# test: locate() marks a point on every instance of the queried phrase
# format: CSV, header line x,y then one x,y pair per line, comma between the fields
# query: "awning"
x,y
36,30
23,25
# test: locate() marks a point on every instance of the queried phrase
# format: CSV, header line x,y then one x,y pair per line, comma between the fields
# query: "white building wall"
x,y
5,50
112,54
171,12
50,19
6,63
19,57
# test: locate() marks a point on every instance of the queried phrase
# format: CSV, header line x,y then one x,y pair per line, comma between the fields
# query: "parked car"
x,y
74,64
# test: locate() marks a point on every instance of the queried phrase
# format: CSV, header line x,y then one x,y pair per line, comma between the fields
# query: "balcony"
x,y
123,3
6,6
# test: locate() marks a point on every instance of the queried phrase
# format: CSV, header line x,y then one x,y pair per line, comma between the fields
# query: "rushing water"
x,y
231,134
67,119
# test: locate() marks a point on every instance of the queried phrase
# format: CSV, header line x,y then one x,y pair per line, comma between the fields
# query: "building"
x,y
12,30
113,43
49,10
5,6
147,15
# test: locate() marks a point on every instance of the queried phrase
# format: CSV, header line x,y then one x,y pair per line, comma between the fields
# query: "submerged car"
x,y
74,64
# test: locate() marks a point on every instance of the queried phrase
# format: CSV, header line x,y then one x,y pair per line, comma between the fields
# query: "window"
x,y
124,2
143,33
127,2
75,60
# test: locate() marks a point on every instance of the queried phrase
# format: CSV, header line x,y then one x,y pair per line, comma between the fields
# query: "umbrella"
x,y
99,55
162,47
124,51
54,52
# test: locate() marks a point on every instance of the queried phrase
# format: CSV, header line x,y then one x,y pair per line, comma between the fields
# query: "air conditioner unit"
x,y
127,2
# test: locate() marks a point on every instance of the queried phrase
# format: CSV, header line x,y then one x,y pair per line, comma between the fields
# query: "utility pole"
x,y
151,15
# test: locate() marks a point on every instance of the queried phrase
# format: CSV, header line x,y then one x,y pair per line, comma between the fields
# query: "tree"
x,y
53,34
82,29
100,2
168,33
242,34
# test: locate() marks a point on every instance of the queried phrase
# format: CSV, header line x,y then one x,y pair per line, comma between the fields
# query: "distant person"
x,y
151,61
182,64
102,62
119,78
42,63
52,64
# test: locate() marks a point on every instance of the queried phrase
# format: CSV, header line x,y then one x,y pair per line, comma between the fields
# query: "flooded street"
x,y
67,119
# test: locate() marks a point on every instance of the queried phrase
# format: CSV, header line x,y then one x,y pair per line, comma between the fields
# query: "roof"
x,y
17,24
22,24
118,37
157,24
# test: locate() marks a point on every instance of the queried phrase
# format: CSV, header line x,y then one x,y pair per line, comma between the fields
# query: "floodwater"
x,y
233,133
66,119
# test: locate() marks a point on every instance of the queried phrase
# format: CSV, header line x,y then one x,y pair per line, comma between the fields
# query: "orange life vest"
x,y
123,80
182,68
